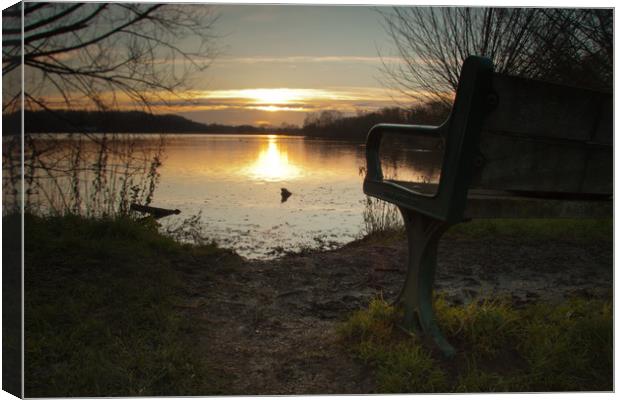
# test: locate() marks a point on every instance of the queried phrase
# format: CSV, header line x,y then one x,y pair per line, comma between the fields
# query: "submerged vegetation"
x,y
542,347
104,313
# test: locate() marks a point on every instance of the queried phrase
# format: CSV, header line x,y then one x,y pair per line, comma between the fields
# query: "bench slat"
x,y
543,110
546,137
519,163
486,205
482,203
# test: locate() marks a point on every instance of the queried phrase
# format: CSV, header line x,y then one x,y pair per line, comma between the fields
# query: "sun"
x,y
274,96
270,99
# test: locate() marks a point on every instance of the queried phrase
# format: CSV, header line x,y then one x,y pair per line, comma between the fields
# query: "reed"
x,y
91,175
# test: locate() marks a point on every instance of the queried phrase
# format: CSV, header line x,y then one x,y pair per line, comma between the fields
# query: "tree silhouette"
x,y
563,45
94,56
98,54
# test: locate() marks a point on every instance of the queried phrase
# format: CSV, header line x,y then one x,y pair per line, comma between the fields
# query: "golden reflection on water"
x,y
272,163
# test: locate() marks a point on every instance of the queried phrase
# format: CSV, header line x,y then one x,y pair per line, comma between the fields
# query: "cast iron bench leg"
x,y
423,234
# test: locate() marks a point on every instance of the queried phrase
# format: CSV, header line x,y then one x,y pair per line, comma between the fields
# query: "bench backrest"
x,y
530,138
550,139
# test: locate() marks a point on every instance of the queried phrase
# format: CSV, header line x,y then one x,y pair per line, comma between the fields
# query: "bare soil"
x,y
270,326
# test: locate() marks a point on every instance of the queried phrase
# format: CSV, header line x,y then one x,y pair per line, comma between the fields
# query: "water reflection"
x,y
273,164
235,183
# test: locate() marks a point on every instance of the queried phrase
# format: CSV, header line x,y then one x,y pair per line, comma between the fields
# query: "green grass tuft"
x,y
400,367
542,347
485,326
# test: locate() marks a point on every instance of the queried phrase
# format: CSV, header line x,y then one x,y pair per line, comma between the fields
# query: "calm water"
x,y
235,182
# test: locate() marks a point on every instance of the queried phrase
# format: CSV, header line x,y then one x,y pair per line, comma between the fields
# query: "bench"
x,y
512,148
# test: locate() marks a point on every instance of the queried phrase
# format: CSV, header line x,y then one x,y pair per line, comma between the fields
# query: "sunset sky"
x,y
278,63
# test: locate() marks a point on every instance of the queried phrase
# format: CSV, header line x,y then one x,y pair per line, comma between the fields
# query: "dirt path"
x,y
270,325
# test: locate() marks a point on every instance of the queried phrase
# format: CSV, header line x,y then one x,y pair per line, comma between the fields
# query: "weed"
x,y
476,380
486,325
400,366
85,174
380,217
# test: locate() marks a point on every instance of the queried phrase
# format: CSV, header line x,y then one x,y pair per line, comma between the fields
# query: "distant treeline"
x,y
333,124
325,124
117,122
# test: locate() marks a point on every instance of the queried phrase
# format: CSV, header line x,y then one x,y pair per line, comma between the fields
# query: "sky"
x,y
277,63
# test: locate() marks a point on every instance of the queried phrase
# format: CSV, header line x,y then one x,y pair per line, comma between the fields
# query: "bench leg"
x,y
423,234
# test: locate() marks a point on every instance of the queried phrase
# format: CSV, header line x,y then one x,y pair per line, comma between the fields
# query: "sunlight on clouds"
x,y
279,96
275,108
274,95
299,99
378,60
287,102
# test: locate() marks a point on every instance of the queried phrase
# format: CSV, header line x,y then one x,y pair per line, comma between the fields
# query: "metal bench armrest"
x,y
373,142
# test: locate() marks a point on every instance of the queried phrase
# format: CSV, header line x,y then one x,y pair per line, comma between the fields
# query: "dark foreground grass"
x,y
100,316
540,348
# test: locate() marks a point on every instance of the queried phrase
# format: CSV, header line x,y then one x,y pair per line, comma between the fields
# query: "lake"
x,y
234,183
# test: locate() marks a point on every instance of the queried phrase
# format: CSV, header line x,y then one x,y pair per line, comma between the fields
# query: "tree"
x,y
576,48
97,56
563,45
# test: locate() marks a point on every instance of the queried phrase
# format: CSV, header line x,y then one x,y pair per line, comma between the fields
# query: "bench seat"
x,y
488,203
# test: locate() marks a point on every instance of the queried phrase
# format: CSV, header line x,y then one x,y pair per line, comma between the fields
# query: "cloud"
x,y
285,104
309,59
300,100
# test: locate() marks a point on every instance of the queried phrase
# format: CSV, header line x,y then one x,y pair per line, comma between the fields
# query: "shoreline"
x,y
231,326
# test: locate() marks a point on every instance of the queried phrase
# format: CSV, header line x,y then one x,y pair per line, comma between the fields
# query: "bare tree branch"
x,y
563,45
96,56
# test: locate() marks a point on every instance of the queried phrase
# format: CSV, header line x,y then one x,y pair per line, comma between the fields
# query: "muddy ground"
x,y
269,326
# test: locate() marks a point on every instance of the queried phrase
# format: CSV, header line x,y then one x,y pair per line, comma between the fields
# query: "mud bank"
x,y
270,326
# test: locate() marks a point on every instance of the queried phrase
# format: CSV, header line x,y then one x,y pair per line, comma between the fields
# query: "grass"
x,y
544,347
537,229
581,231
101,319
100,311
539,348
380,217
381,221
